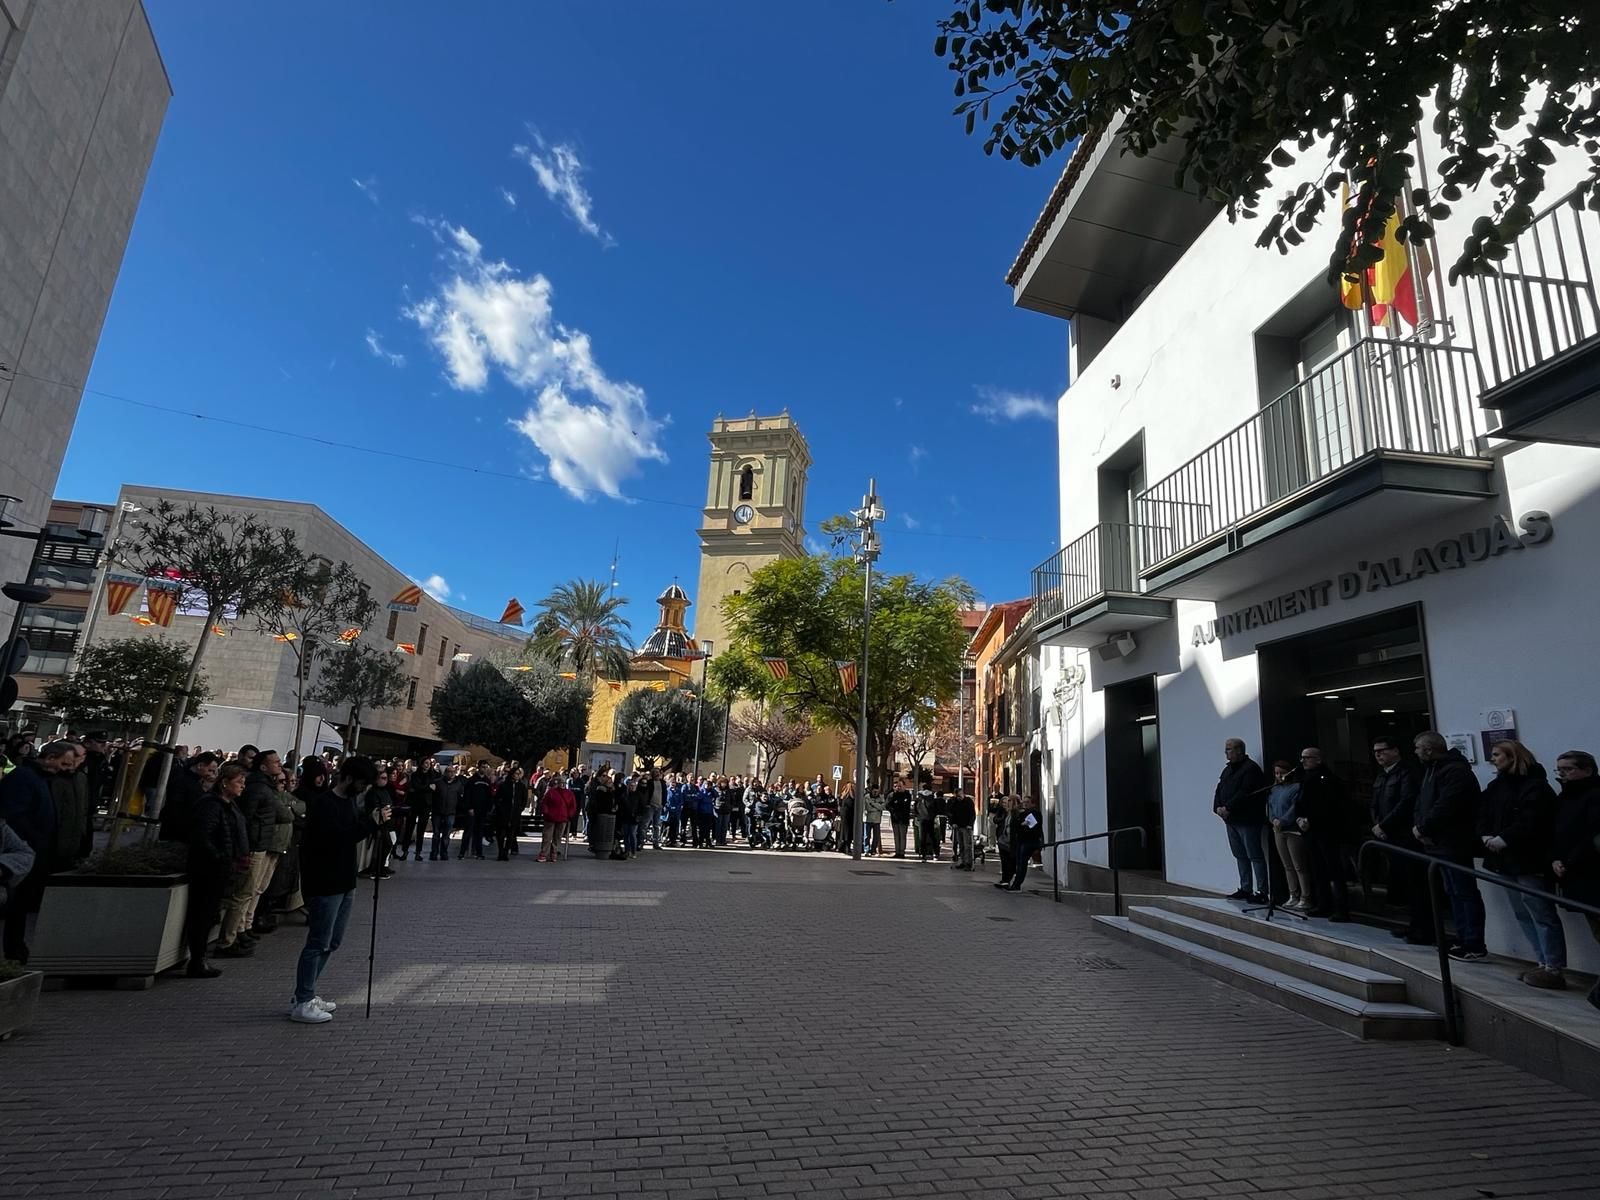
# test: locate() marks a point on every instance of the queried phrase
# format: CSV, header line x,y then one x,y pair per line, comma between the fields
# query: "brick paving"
x,y
726,1024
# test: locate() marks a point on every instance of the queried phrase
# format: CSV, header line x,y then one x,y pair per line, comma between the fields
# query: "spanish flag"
x,y
1387,286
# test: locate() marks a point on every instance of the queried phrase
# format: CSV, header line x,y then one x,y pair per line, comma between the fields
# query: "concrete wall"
x,y
82,97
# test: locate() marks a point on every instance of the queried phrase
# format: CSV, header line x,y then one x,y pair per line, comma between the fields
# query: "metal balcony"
x,y
1390,419
1536,325
1088,590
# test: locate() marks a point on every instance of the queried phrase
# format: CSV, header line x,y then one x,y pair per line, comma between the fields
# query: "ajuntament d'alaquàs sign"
x,y
1452,554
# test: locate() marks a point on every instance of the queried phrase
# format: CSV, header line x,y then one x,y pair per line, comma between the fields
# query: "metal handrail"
x,y
1542,298
1436,866
1381,394
1099,561
1111,859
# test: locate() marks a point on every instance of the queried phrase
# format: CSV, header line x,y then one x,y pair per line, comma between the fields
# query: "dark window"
x,y
443,646
747,483
422,641
394,624
456,651
411,694
436,692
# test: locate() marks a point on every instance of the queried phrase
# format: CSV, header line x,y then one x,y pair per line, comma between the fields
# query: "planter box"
x,y
18,998
124,925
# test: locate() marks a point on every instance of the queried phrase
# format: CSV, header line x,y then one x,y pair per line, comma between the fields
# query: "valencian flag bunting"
x,y
613,685
286,637
406,599
349,635
569,674
219,631
140,619
405,647
658,685
119,590
512,614
1388,285
778,666
847,675
162,598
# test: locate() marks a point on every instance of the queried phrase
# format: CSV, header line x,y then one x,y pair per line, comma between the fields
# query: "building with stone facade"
x,y
83,94
248,669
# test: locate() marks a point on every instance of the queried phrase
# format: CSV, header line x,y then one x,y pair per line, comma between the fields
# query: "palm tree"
x,y
581,628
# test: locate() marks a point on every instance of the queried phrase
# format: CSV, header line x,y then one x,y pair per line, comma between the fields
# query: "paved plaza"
x,y
730,1024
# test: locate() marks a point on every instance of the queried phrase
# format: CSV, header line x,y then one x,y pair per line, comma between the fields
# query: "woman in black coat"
x,y
510,802
1575,837
1516,821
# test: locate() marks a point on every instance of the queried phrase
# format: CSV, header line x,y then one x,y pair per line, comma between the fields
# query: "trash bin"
x,y
602,833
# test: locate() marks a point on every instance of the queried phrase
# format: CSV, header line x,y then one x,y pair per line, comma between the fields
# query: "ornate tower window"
x,y
747,483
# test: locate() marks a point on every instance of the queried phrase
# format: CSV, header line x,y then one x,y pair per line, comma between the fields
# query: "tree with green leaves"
x,y
227,565
522,713
320,602
580,628
660,726
1231,83
122,684
808,611
358,679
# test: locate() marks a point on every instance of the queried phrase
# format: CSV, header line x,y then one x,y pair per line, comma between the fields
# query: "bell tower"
x,y
755,506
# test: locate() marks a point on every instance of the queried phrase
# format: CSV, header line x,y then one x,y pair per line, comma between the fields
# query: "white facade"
x,y
1192,356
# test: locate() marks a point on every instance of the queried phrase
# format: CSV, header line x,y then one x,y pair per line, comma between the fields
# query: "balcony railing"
x,y
1378,395
1543,300
1098,562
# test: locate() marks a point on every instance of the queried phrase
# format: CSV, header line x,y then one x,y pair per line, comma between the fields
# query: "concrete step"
x,y
1361,982
1315,934
1365,1019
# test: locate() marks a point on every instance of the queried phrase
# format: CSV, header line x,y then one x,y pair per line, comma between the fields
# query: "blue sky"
x,y
551,242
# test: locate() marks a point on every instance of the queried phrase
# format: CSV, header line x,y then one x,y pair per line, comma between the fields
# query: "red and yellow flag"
x,y
349,635
407,599
119,590
613,685
1388,285
847,675
512,614
778,666
405,647
163,602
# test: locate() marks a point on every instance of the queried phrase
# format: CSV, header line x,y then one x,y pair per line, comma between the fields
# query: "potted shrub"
x,y
19,996
120,914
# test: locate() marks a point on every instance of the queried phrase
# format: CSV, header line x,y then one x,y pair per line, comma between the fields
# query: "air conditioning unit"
x,y
1118,646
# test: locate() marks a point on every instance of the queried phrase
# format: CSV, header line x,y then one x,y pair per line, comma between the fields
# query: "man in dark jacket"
x,y
1447,826
1321,817
26,806
187,784
1027,833
219,849
447,797
927,807
963,816
478,798
1575,840
336,824
1394,812
421,794
259,804
899,818
1240,800
69,790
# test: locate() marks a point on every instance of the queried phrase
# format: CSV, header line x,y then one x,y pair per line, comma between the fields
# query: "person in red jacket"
x,y
559,806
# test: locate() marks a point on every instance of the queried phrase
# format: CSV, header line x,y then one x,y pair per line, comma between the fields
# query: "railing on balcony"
x,y
1378,395
1100,561
1543,300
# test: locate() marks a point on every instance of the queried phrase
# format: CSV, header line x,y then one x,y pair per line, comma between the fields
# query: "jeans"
x,y
472,836
674,826
1540,922
722,829
1249,854
326,918
874,842
963,845
928,840
206,893
630,836
441,836
1019,857
1466,908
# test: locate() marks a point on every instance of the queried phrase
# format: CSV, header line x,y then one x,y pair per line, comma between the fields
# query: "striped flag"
x,y
406,599
569,674
162,599
140,619
349,635
513,613
613,685
658,685
405,647
778,666
219,631
119,590
847,675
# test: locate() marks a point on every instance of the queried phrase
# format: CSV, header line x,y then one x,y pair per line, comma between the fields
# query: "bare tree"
x,y
773,733
955,738
913,737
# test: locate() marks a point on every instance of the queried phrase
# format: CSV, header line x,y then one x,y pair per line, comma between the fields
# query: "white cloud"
x,y
509,197
436,587
375,344
593,430
368,187
916,454
910,521
815,545
998,404
560,174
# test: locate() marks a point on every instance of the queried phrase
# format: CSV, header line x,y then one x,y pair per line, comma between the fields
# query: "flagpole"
x,y
866,553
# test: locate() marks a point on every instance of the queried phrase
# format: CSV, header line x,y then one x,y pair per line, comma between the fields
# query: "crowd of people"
x,y
1305,821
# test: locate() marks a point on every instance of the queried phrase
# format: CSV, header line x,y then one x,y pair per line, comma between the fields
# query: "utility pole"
x,y
124,507
866,553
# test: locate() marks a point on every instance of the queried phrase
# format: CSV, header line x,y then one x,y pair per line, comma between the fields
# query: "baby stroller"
x,y
799,820
820,832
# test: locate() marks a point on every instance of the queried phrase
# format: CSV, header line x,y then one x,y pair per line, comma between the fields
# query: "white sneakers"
x,y
325,1005
309,1013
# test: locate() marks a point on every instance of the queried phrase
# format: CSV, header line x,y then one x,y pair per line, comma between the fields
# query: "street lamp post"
x,y
101,576
700,701
866,553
